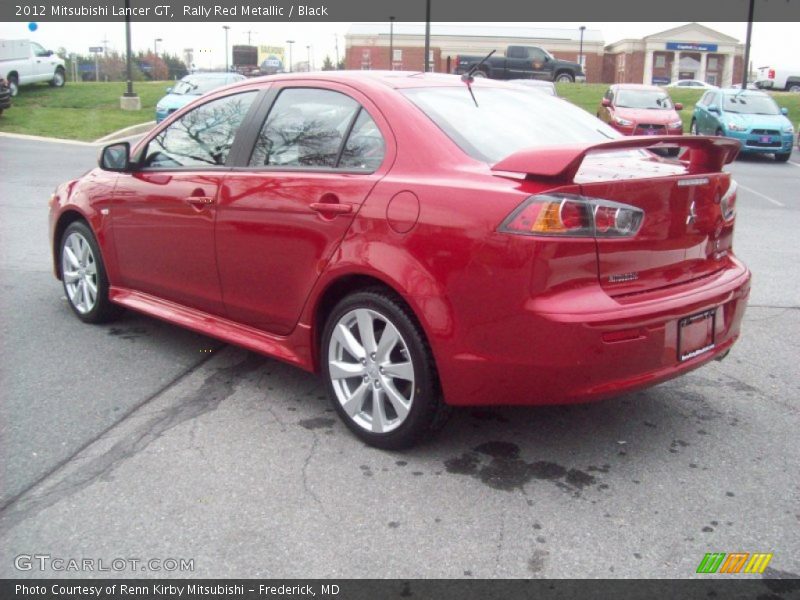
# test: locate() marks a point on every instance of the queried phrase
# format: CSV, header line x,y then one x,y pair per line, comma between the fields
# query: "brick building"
x,y
690,51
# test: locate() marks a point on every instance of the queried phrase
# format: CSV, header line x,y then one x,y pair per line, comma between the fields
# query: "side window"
x,y
517,52
38,50
702,101
365,147
202,137
304,128
536,55
711,100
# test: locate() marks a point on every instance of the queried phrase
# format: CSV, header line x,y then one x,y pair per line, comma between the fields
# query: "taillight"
x,y
728,202
771,74
574,216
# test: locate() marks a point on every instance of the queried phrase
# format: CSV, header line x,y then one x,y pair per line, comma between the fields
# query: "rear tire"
x,y
83,275
385,389
784,157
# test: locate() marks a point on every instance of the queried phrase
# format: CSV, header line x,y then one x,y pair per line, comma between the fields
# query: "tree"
x,y
340,66
327,64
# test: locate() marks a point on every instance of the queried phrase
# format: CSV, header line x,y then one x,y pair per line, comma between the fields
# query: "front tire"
x,y
59,78
380,372
83,275
693,128
784,157
13,85
565,78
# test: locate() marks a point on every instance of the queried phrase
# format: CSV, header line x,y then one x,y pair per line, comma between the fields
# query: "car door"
x,y
711,114
164,209
540,64
604,113
518,65
317,156
41,70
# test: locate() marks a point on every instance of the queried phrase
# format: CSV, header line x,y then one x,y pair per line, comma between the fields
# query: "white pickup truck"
x,y
24,61
773,78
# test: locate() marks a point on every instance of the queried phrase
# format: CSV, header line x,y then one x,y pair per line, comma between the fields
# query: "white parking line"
x,y
752,191
791,162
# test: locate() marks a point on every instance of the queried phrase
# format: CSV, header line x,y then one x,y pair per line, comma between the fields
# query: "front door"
x,y
317,157
164,210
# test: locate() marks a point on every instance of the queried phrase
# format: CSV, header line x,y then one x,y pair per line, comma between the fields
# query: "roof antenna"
x,y
467,77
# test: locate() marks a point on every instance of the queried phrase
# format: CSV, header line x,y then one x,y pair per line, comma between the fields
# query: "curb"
x,y
126,132
38,138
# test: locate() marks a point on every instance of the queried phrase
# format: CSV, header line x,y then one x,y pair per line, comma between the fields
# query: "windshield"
x,y
643,99
750,104
506,120
195,86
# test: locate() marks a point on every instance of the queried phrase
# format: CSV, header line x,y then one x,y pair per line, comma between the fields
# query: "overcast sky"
x,y
773,43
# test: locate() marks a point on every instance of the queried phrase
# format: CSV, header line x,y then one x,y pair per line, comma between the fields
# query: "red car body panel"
x,y
510,319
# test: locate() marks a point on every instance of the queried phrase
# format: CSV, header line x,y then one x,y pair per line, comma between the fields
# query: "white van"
x,y
773,78
24,61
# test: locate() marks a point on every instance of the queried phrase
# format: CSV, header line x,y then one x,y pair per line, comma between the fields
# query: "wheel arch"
x,y
66,219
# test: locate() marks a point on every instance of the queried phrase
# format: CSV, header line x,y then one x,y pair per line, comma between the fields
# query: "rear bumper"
x,y
562,357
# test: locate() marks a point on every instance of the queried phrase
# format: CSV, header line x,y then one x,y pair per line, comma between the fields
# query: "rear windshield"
x,y
652,99
750,104
506,120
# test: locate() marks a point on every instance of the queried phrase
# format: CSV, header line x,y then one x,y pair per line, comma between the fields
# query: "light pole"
x,y
746,75
155,45
226,28
427,35
336,45
580,54
308,50
290,42
391,43
130,100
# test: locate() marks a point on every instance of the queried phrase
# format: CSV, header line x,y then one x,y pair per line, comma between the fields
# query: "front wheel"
x,y
693,128
13,84
379,371
59,78
784,157
84,275
565,78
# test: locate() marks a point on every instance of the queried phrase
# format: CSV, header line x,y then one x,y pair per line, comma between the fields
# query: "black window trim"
x,y
261,94
267,106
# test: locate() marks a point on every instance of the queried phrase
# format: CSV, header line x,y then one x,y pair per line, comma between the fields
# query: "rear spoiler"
x,y
706,154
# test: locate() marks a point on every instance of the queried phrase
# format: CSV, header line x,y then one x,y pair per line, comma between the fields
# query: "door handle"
x,y
331,208
199,201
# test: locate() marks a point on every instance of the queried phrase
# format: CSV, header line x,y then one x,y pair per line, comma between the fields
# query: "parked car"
x,y
23,62
753,118
5,95
691,84
635,109
189,88
773,78
417,246
738,86
522,62
545,87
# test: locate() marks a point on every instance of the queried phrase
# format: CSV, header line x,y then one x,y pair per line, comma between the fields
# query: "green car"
x,y
752,117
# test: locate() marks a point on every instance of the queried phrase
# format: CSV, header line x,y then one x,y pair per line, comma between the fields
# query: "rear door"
x,y
283,211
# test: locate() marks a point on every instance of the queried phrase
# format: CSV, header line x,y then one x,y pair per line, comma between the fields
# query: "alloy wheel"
x,y
371,370
79,270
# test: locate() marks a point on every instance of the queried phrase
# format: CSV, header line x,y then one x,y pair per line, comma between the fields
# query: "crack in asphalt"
x,y
217,387
304,474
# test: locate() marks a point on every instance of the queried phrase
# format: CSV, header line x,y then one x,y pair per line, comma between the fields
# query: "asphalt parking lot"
x,y
141,440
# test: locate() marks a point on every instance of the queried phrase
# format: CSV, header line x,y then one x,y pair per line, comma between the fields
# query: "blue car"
x,y
189,88
751,117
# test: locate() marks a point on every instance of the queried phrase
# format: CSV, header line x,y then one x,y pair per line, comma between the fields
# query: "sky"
x,y
773,43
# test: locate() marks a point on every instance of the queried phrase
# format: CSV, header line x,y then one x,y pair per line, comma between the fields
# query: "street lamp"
x,y
130,100
155,45
308,50
427,35
391,43
580,55
290,42
226,28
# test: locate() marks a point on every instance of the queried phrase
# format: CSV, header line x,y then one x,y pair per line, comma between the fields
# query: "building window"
x,y
366,60
397,55
660,61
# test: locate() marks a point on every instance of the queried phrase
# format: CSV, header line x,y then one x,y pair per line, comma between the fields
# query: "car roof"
x,y
214,75
737,92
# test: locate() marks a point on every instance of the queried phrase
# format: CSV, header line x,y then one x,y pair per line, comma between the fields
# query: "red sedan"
x,y
635,109
419,246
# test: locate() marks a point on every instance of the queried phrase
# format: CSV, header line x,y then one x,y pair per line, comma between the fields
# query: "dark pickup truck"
x,y
522,62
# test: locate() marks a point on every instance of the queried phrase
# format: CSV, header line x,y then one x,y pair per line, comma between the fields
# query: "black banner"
x,y
722,587
412,10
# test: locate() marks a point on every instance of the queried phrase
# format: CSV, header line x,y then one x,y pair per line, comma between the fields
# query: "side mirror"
x,y
115,157
784,110
48,53
169,90
714,109
605,102
678,106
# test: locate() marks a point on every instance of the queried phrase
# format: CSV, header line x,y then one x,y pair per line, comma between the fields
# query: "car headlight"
x,y
788,128
676,124
735,127
621,121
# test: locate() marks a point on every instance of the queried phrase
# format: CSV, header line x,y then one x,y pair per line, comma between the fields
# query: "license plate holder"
x,y
766,139
696,334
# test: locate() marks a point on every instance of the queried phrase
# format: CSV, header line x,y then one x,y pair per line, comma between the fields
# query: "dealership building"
x,y
691,51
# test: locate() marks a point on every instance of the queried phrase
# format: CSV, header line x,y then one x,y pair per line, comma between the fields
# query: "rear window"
x,y
506,120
